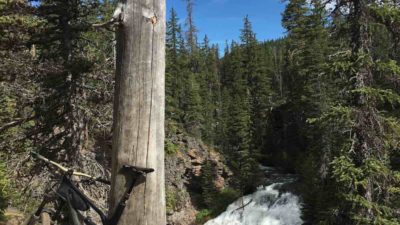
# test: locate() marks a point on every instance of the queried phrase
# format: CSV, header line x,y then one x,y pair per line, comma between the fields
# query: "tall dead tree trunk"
x,y
138,131
192,30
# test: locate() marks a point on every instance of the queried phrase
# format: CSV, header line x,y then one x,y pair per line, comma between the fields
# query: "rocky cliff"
x,y
183,177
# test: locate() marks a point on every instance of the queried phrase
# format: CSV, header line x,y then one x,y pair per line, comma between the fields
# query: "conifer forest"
x,y
321,104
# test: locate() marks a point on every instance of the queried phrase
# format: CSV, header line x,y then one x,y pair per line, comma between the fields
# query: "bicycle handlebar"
x,y
69,170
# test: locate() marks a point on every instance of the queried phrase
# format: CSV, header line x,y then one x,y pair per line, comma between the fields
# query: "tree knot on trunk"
x,y
153,20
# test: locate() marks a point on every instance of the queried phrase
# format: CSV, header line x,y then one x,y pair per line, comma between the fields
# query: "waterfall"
x,y
267,206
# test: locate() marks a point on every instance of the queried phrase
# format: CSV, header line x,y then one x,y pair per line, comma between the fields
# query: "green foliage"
x,y
389,69
216,203
203,216
17,90
223,199
343,97
334,114
386,14
175,69
383,95
4,190
245,80
345,172
207,183
65,84
35,85
16,28
215,200
170,147
170,201
192,83
175,199
193,118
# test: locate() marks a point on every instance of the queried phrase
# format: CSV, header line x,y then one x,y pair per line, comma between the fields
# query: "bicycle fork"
x,y
32,219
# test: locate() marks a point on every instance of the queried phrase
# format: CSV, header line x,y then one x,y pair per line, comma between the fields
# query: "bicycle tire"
x,y
45,217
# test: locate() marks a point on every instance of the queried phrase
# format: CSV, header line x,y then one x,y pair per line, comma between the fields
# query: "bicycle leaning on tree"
x,y
66,195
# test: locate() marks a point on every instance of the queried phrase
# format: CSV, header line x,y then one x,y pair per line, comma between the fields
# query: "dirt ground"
x,y
14,217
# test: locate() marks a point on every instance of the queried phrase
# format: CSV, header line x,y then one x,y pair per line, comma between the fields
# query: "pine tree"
x,y
209,191
294,19
368,154
18,89
62,125
237,103
174,68
294,85
193,118
224,79
259,87
192,101
360,163
310,94
99,50
191,33
209,83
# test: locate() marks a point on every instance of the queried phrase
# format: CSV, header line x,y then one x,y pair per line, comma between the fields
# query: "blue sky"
x,y
222,19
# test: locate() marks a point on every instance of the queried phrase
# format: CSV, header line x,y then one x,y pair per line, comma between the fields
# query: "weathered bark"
x,y
138,130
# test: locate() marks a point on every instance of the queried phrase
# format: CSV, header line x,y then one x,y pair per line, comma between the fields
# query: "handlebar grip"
x,y
33,154
103,180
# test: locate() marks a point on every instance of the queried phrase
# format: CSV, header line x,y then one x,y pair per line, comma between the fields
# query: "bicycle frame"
x,y
104,219
72,210
35,216
134,176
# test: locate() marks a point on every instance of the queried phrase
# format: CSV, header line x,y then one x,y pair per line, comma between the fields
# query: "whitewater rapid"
x,y
267,206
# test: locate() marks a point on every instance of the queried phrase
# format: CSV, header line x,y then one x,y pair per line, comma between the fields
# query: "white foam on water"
x,y
266,206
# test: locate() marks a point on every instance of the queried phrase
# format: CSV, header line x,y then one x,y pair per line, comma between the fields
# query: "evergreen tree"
x,y
192,99
359,162
17,89
62,119
259,86
175,76
367,159
308,94
193,118
209,83
294,19
237,104
191,33
209,191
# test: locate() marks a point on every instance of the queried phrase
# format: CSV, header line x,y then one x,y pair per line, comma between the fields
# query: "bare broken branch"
x,y
115,19
15,123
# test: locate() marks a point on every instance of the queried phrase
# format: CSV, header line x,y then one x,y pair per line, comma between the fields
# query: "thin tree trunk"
x,y
138,131
366,124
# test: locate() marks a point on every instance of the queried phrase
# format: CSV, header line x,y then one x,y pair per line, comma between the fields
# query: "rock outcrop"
x,y
183,177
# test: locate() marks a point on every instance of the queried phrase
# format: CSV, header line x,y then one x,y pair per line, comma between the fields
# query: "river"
x,y
271,204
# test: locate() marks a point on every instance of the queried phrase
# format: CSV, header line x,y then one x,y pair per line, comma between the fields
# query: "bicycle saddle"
x,y
136,170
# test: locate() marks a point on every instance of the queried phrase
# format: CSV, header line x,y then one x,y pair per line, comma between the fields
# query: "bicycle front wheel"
x,y
44,219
